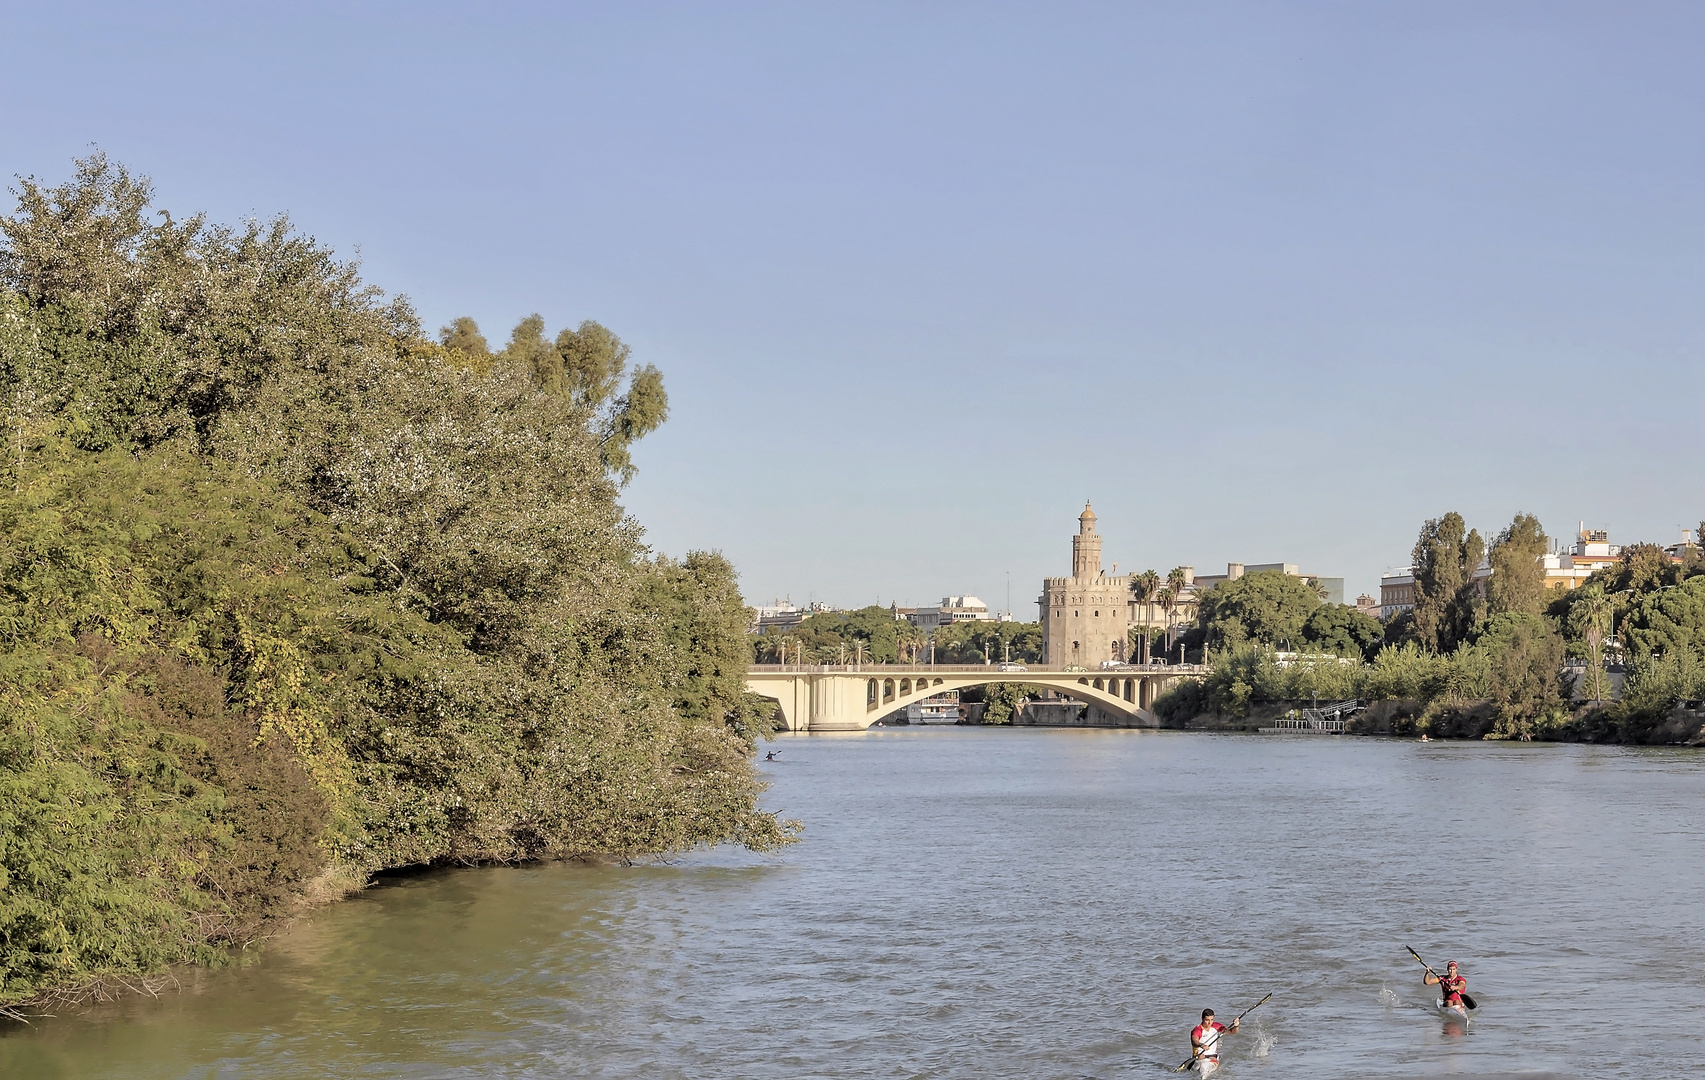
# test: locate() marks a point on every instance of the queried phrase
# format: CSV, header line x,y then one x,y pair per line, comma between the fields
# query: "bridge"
x,y
852,697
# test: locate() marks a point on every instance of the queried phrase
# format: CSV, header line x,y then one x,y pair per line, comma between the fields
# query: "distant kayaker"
x,y
1205,1040
1451,984
771,756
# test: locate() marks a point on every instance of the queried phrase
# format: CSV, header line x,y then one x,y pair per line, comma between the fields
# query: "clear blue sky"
x,y
1266,281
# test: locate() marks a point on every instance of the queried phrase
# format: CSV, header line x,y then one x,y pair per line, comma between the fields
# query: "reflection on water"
x,y
1014,904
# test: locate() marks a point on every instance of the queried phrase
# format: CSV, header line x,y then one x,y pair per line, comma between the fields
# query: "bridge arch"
x,y
841,699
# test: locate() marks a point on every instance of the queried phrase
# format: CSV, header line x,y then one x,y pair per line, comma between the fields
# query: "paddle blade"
x,y
1468,1001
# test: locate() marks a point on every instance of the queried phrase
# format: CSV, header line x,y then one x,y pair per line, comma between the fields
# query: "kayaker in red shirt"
x,y
1205,1038
1451,984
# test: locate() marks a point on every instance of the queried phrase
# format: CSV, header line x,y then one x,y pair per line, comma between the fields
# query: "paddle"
x,y
1467,998
1205,1049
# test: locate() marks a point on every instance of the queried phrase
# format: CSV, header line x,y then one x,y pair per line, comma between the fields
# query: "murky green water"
x,y
1015,904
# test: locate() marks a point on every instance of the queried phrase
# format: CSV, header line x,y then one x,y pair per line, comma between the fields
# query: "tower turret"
x,y
1086,546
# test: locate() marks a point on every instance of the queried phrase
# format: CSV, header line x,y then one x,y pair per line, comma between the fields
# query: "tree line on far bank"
x,y
872,635
1479,655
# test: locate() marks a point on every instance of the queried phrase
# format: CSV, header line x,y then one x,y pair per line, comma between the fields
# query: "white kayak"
x,y
1453,1012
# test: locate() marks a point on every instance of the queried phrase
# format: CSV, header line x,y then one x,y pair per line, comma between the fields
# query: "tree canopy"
x,y
973,642
1268,607
1518,575
290,593
1341,630
1447,604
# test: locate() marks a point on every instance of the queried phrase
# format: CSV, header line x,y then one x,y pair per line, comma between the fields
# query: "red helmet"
x,y
1450,964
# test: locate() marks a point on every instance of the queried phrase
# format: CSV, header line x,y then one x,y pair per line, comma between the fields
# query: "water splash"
x,y
1264,1040
1388,998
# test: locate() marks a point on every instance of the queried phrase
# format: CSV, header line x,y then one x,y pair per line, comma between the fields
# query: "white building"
x,y
952,609
782,615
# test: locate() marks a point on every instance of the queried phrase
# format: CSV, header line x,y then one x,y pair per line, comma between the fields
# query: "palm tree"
x,y
1175,580
1169,599
1590,617
1144,586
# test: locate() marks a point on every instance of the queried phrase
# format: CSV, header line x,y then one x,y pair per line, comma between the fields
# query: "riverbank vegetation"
x,y
872,635
1483,655
291,591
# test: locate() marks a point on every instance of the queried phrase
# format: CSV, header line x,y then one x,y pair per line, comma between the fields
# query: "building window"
x,y
1098,614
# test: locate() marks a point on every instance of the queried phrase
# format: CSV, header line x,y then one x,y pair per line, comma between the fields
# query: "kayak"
x,y
1207,1066
1452,1012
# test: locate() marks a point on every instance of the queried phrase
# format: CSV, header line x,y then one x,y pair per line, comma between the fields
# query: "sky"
x,y
1265,282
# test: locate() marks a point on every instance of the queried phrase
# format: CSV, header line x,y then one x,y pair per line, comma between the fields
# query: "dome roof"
x,y
1088,514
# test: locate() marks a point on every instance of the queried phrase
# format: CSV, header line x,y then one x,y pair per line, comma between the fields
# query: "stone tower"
x,y
1085,617
1086,546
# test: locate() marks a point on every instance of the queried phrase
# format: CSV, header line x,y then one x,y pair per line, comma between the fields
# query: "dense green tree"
x,y
1399,630
1447,601
870,635
1342,631
1525,659
1001,700
1654,683
703,619
588,366
1518,575
1642,569
462,338
1666,620
973,642
1268,607
335,598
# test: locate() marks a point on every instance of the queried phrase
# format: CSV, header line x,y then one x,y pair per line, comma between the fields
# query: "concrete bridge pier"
x,y
839,704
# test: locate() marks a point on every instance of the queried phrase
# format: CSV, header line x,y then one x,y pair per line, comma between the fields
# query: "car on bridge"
x,y
1012,667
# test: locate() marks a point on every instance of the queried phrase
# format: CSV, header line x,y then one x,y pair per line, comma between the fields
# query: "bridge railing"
x,y
1306,724
989,669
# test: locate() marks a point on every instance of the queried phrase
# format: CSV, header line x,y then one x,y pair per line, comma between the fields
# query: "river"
x,y
1014,903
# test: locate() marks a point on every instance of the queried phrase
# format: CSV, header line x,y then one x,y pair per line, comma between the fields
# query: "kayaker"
x,y
1451,984
1205,1038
